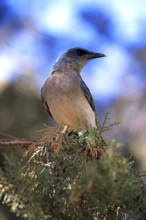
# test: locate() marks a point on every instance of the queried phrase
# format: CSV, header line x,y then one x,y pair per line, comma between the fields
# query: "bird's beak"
x,y
95,55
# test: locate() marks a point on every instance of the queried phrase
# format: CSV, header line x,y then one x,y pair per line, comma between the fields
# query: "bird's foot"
x,y
56,144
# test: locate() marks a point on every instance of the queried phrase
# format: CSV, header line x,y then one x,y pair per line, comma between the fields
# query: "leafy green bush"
x,y
71,177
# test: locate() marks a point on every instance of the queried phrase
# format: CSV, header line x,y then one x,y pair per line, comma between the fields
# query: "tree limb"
x,y
15,143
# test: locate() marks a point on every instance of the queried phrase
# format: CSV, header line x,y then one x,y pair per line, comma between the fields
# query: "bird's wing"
x,y
87,94
45,105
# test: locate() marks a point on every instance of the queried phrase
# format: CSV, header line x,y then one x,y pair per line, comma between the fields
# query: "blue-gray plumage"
x,y
65,95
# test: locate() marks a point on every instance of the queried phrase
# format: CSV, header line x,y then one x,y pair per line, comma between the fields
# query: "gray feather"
x,y
87,94
45,105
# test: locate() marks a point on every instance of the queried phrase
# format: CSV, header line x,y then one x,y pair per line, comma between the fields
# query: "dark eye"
x,y
80,52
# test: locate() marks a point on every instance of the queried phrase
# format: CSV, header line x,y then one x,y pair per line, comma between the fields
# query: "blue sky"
x,y
64,21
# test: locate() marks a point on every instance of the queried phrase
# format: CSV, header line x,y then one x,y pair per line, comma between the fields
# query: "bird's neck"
x,y
67,67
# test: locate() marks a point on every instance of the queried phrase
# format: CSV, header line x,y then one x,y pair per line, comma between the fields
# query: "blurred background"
x,y
32,35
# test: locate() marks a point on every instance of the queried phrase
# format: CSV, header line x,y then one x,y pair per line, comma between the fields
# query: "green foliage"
x,y
70,177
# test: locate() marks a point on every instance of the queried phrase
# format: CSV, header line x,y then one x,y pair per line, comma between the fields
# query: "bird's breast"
x,y
67,103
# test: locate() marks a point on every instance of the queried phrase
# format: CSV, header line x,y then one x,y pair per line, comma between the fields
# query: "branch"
x,y
15,143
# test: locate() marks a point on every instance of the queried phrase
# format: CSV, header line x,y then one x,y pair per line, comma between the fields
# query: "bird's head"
x,y
76,58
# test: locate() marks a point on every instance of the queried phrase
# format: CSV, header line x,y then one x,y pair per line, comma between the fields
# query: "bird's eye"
x,y
80,52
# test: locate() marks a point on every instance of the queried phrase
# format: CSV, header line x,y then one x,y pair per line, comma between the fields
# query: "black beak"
x,y
95,55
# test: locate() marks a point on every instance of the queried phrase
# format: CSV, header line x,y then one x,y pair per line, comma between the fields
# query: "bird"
x,y
65,96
